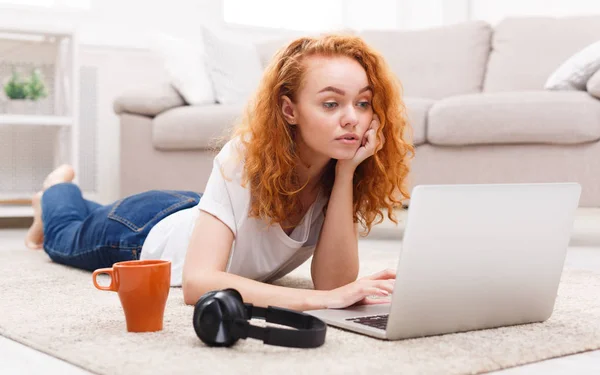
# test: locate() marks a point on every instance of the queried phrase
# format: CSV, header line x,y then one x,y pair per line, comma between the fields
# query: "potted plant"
x,y
16,91
35,90
25,95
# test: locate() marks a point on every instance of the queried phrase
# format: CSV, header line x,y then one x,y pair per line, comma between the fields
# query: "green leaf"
x,y
35,88
15,88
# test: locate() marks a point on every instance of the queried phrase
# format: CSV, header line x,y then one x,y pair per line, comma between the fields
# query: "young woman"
x,y
319,150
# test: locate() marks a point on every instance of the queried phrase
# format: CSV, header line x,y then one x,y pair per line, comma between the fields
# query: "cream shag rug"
x,y
57,310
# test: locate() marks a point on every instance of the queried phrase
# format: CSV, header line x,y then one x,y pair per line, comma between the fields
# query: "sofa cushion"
x,y
526,50
438,62
193,127
232,82
416,111
568,117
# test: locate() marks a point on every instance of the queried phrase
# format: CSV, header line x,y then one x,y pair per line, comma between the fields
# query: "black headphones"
x,y
221,318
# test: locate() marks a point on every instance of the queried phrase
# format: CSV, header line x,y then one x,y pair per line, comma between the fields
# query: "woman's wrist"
x,y
344,169
316,300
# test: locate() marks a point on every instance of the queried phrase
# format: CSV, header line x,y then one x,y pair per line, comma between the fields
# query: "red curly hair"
x,y
268,140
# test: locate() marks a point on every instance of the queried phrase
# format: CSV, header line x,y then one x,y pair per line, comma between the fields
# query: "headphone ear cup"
x,y
233,303
206,296
209,322
235,294
202,330
214,315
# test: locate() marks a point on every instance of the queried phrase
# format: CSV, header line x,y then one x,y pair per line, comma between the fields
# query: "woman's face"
x,y
332,109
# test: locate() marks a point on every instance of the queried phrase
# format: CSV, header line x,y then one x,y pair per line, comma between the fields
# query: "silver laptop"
x,y
473,257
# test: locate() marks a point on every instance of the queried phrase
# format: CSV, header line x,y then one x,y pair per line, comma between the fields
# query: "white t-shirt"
x,y
259,251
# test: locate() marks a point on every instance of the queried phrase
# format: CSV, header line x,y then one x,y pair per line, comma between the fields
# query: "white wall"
x,y
119,70
131,23
494,10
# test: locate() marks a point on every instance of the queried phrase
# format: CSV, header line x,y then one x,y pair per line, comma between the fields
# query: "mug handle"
x,y
109,271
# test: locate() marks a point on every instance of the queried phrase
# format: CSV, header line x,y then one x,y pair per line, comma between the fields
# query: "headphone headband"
x,y
221,318
310,331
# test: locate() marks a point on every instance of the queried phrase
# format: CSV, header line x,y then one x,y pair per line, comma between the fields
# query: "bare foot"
x,y
35,234
64,173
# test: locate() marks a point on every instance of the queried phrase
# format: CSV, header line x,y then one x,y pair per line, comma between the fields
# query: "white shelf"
x,y
4,197
64,147
8,210
47,30
36,120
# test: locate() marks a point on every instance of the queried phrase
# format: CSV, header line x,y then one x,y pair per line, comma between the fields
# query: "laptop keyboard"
x,y
375,321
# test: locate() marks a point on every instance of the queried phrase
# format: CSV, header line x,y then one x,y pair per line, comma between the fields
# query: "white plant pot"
x,y
38,107
16,106
26,107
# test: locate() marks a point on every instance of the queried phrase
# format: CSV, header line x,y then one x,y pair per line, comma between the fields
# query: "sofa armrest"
x,y
593,85
195,127
149,101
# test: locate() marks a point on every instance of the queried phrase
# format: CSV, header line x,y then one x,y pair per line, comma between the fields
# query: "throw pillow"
x,y
593,85
574,73
185,66
234,68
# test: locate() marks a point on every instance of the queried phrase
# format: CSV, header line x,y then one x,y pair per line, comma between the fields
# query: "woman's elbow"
x,y
190,290
195,286
187,298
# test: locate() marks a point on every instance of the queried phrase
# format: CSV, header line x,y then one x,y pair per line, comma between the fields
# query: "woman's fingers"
x,y
374,291
387,285
376,287
375,146
365,138
357,292
381,142
380,293
385,274
368,139
375,119
376,301
372,134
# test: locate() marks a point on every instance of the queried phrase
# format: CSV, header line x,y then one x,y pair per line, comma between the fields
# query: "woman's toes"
x,y
64,173
35,235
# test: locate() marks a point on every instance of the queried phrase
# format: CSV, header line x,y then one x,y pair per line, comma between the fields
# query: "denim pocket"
x,y
138,211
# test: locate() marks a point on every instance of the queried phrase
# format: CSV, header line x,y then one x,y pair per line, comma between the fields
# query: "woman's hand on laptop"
x,y
361,291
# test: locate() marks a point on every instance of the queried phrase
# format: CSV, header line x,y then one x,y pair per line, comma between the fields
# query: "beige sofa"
x,y
475,100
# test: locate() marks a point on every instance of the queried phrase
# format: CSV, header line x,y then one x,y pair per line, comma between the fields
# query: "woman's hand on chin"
x,y
369,146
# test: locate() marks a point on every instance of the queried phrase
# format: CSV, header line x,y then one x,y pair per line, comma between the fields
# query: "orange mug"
x,y
143,288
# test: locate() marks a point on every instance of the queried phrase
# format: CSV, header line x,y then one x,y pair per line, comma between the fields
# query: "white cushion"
x,y
185,66
234,68
574,73
593,85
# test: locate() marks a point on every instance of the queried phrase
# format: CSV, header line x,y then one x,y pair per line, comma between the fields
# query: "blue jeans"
x,y
87,235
